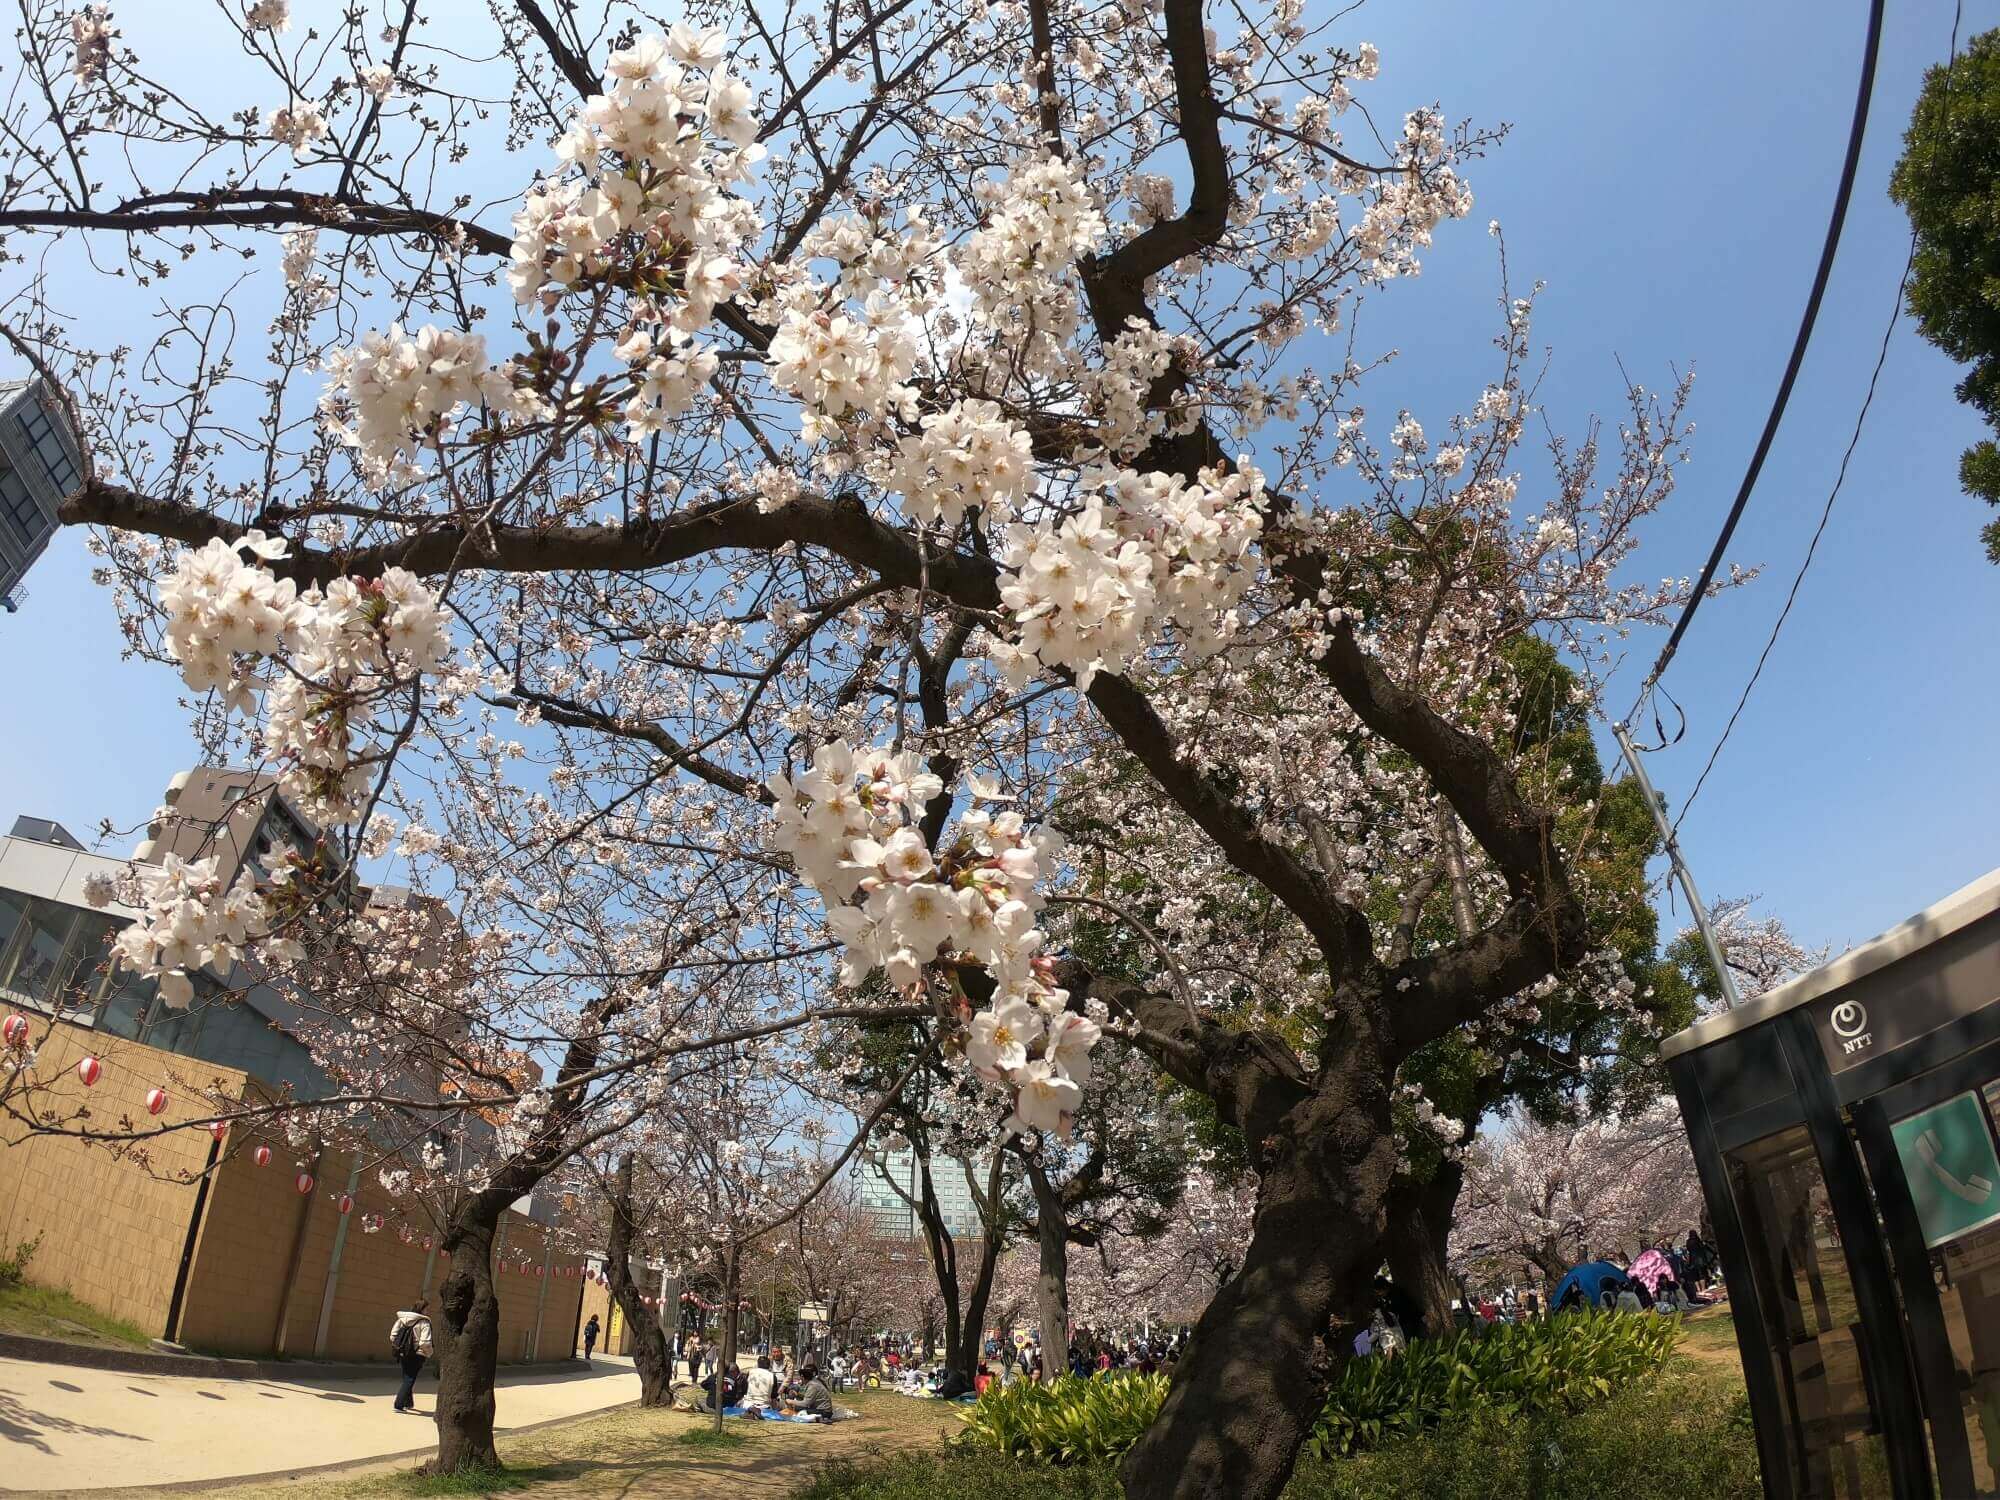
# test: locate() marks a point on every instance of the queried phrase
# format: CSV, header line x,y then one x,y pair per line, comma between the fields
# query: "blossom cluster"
x,y
837,363
655,152
189,922
298,125
964,457
339,648
1043,221
395,389
91,31
1145,551
850,824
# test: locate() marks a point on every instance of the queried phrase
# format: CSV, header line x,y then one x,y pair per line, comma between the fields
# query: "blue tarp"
x,y
1591,1277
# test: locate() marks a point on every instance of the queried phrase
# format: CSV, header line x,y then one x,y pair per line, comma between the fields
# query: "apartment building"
x,y
39,467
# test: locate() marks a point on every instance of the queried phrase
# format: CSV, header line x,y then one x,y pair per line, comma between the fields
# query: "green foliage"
x,y
1665,1438
1669,1437
1071,1420
710,1437
1949,182
43,1312
960,1470
15,1266
1562,1365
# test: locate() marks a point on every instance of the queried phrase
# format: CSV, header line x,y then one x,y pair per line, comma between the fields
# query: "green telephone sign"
x,y
1953,1170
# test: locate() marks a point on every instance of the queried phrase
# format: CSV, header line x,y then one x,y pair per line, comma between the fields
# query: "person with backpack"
x,y
589,1337
410,1343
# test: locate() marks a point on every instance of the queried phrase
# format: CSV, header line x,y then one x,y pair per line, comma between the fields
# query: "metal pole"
x,y
1681,873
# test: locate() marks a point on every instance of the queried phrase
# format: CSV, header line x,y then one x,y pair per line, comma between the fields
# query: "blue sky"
x,y
1669,176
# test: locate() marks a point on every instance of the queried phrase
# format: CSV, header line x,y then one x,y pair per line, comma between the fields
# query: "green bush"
x,y
1670,1437
1562,1365
959,1470
1096,1417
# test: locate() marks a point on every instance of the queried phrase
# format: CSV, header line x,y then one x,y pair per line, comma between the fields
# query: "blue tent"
x,y
1591,1276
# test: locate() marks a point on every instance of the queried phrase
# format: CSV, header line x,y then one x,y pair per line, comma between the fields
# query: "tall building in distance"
x,y
888,1184
39,467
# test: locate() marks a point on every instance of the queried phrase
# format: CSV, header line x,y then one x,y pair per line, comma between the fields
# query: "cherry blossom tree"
x,y
1556,1194
879,445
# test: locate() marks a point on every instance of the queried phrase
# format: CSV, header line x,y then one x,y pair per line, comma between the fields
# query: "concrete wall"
x,y
114,1233
113,1225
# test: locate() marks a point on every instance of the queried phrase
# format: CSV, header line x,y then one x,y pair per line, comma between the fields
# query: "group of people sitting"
x,y
767,1389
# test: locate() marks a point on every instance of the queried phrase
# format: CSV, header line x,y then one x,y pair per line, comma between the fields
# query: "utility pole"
x,y
1681,872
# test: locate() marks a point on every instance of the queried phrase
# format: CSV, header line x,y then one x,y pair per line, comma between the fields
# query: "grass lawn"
x,y
633,1454
44,1313
1708,1341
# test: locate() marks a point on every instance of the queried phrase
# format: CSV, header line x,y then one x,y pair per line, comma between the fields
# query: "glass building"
x,y
39,467
1843,1129
888,1183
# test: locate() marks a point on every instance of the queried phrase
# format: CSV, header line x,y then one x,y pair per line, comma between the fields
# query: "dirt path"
x,y
629,1454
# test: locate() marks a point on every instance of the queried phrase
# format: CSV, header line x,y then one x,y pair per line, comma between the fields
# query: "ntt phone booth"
x,y
1843,1125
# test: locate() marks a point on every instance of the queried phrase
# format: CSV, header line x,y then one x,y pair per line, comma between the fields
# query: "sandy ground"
x,y
63,1427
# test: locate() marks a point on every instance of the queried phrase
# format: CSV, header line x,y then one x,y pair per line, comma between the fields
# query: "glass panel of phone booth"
x,y
1967,1273
1816,1336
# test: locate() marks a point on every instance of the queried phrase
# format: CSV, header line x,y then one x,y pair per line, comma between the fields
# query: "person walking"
x,y
589,1338
410,1343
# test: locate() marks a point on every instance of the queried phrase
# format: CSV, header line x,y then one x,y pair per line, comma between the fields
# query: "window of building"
x,y
18,508
45,438
36,963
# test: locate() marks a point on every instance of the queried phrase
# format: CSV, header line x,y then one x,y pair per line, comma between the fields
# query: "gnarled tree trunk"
x,y
466,1338
1419,1227
1246,1393
650,1354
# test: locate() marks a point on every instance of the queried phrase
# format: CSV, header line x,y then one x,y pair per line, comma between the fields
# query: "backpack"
x,y
403,1342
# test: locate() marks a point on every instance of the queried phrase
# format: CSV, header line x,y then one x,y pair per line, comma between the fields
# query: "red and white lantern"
x,y
346,1203
156,1100
15,1030
90,1070
261,1156
218,1128
538,1270
303,1182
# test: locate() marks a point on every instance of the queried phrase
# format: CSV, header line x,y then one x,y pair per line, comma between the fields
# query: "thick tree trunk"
x,y
1052,1282
466,1338
1247,1392
650,1354
1419,1227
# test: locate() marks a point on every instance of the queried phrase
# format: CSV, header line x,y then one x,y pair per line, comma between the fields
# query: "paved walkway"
x,y
67,1428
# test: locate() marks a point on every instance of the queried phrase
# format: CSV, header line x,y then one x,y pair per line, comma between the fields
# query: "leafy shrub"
x,y
1564,1364
1096,1417
14,1267
959,1470
1671,1437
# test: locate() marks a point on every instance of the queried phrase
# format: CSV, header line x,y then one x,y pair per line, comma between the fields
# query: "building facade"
x,y
207,1247
39,467
889,1185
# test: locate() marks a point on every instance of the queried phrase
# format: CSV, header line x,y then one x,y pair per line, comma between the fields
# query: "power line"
x,y
1846,191
1881,357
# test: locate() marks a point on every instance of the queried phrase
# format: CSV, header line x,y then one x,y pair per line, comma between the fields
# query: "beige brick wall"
x,y
113,1220
238,1278
114,1224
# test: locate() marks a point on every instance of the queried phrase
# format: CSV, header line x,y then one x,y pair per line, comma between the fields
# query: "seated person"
x,y
815,1400
760,1386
